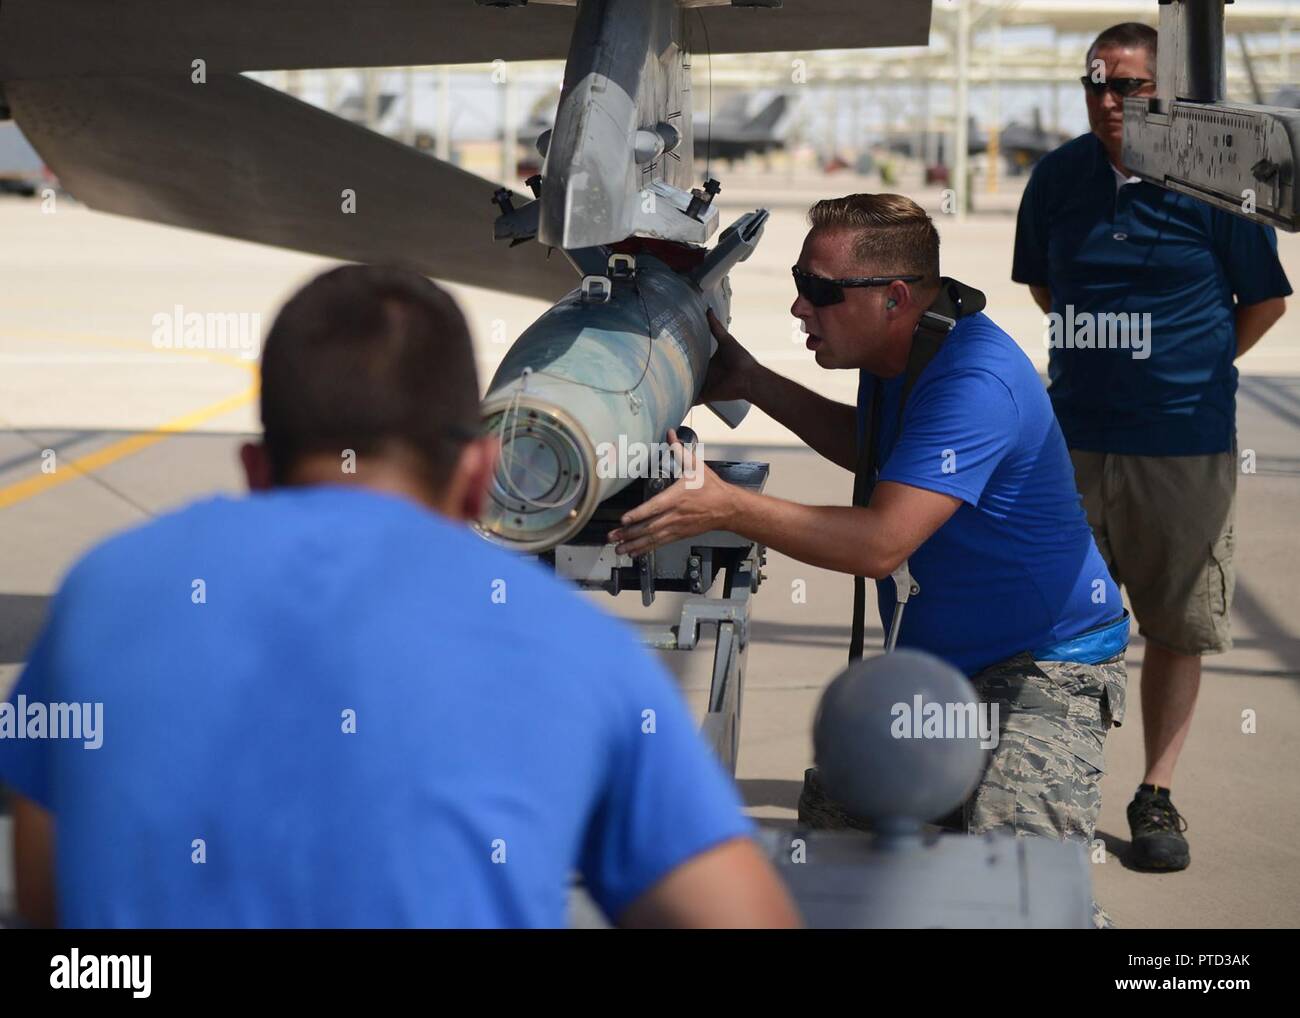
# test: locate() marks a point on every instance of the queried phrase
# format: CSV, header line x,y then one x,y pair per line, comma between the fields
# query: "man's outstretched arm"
x,y
862,541
869,541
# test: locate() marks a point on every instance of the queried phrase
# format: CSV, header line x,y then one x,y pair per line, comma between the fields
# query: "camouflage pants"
x,y
1043,777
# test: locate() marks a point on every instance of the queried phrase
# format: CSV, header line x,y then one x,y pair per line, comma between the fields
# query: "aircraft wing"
x,y
89,38
103,90
160,148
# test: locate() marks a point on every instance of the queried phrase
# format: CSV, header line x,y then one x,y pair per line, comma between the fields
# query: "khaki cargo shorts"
x,y
1164,526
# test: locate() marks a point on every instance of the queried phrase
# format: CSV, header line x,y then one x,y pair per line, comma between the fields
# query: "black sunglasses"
x,y
1122,87
821,292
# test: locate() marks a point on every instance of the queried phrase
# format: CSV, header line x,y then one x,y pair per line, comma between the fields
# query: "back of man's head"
x,y
368,365
894,235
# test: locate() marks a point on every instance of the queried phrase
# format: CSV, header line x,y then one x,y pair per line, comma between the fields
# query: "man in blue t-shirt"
x,y
332,704
1150,296
975,492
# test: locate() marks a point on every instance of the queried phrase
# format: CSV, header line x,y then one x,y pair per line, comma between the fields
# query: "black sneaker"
x,y
1158,842
819,811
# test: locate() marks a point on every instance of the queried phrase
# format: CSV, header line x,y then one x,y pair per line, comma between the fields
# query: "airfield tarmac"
x,y
138,430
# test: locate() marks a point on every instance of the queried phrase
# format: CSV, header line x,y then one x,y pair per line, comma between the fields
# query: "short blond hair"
x,y
894,234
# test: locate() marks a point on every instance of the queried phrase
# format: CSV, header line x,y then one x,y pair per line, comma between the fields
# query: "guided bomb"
x,y
619,360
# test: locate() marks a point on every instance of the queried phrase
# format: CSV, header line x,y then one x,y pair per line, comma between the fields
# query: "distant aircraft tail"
x,y
770,115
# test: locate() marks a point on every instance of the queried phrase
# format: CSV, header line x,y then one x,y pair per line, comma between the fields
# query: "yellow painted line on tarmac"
x,y
30,487
21,490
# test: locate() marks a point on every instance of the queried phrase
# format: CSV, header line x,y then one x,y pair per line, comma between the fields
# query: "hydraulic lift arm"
x,y
1240,157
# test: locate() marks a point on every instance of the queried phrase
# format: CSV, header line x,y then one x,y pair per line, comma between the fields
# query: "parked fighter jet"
x,y
353,108
1019,145
737,130
1022,145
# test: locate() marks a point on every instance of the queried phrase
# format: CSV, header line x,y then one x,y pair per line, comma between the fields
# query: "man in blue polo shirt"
x,y
1150,296
332,704
975,492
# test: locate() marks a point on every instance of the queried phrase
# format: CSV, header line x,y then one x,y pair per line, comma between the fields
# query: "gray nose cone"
x,y
897,739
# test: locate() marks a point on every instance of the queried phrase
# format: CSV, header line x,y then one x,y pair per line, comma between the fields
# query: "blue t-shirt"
x,y
506,733
1141,251
1015,568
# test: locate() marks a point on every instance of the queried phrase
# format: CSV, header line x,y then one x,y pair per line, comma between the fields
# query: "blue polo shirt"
x,y
1143,251
1015,568
365,716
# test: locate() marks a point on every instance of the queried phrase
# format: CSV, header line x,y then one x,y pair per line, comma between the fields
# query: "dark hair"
x,y
1126,35
895,235
370,359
